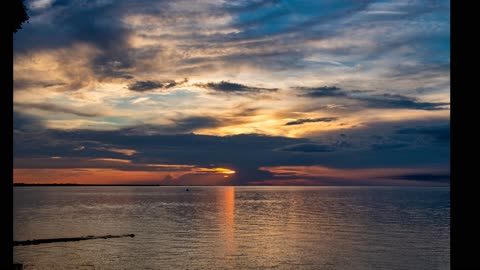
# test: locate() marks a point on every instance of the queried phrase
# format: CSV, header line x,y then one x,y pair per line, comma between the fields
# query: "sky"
x,y
212,92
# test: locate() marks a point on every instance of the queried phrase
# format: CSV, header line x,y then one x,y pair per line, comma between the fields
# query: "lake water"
x,y
235,227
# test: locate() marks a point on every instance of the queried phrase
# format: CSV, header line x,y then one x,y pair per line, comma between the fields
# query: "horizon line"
x,y
161,185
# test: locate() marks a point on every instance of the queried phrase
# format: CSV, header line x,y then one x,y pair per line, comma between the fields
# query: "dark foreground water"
x,y
235,227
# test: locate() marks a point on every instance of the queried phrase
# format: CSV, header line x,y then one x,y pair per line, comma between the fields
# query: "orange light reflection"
x,y
227,204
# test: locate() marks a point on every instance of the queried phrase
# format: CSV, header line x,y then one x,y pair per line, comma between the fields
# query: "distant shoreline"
x,y
72,184
159,185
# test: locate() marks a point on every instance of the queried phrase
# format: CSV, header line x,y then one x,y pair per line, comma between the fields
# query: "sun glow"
x,y
216,170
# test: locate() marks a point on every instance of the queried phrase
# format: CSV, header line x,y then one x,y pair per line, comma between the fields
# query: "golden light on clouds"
x,y
216,170
111,160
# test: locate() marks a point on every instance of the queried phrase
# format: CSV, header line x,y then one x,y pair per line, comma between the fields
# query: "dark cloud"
x,y
192,149
178,126
323,91
387,101
236,88
52,84
244,153
380,146
439,133
26,122
142,86
311,120
423,177
97,24
421,70
109,65
23,84
360,91
189,124
123,164
56,108
390,136
70,22
170,84
265,177
306,148
380,101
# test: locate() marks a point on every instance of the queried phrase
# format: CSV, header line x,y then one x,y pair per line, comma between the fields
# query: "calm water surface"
x,y
235,227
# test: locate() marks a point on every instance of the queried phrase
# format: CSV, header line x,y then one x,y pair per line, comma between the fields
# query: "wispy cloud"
x,y
381,101
323,91
311,120
142,86
57,108
235,88
307,148
401,102
439,133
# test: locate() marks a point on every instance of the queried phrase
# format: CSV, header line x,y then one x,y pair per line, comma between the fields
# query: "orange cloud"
x,y
113,176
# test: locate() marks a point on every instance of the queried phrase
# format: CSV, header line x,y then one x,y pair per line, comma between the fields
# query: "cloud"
x,y
323,91
396,137
94,162
26,122
311,120
140,99
235,88
243,111
56,108
275,36
170,84
126,152
400,102
423,177
250,5
182,125
439,133
142,86
328,91
420,71
379,101
22,84
381,146
306,148
243,153
242,150
192,123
